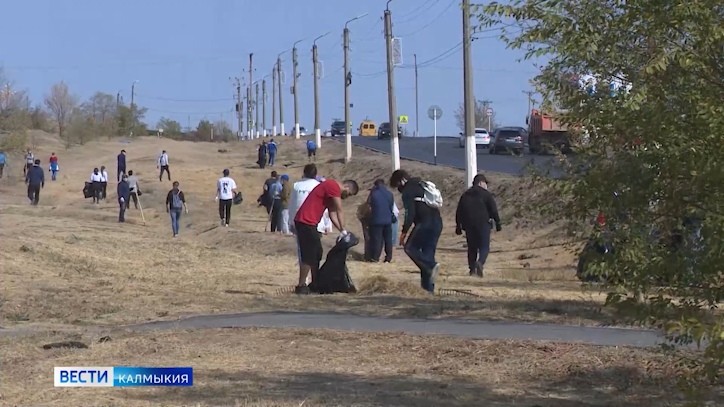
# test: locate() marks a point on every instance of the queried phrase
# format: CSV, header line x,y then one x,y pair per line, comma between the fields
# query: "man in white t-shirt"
x,y
225,191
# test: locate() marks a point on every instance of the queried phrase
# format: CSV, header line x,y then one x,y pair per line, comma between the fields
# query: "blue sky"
x,y
183,52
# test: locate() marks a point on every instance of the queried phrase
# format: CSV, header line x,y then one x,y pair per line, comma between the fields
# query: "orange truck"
x,y
546,132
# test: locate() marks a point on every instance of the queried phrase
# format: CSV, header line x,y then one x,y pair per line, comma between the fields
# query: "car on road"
x,y
338,128
482,138
302,132
508,139
385,131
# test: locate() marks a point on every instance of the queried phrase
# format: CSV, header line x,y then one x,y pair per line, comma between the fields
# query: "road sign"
x,y
404,119
489,111
434,112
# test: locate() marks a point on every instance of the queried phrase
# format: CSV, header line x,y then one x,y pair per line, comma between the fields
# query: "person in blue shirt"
x,y
35,178
311,150
381,218
3,160
272,148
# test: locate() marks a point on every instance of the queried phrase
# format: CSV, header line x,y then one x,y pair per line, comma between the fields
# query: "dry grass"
x,y
285,367
68,261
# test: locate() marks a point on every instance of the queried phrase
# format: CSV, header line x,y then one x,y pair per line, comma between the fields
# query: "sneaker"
x,y
433,274
226,225
479,270
302,290
223,221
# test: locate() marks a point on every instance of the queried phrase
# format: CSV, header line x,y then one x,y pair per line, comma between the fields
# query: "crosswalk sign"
x,y
404,120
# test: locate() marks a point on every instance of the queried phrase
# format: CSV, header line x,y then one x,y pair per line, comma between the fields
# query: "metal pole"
x,y
249,112
274,102
294,90
281,104
256,108
434,153
417,102
347,83
391,101
239,111
471,157
263,106
251,82
315,62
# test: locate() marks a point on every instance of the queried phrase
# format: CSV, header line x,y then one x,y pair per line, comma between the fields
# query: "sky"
x,y
183,53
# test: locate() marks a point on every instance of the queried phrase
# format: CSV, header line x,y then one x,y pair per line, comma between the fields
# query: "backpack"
x,y
176,200
432,196
311,146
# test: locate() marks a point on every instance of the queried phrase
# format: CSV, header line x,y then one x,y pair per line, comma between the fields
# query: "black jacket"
x,y
475,208
35,176
415,211
123,190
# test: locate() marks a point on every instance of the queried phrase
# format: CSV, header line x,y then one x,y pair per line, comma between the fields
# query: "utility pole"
x,y
294,89
529,93
391,100
256,108
471,157
263,106
417,102
347,84
251,82
133,96
281,105
249,113
315,63
239,104
274,101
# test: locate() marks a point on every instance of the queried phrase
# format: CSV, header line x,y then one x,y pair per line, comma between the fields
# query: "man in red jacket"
x,y
328,195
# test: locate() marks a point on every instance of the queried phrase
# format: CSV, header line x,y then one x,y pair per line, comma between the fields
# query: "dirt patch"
x,y
285,367
69,261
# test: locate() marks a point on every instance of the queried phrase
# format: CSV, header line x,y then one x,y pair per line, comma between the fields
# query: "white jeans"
x,y
285,221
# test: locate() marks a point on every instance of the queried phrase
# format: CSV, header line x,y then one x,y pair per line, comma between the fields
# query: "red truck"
x,y
545,132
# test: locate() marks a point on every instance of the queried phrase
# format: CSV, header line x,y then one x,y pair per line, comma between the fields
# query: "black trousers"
x,y
134,198
34,193
121,171
276,216
104,190
122,211
478,240
225,210
97,191
168,172
380,235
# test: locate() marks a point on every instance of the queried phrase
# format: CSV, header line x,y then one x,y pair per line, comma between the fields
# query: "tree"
x,y
665,168
223,132
14,103
129,122
481,116
61,104
171,128
204,130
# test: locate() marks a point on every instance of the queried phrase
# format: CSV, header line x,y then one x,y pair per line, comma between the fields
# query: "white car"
x,y
482,139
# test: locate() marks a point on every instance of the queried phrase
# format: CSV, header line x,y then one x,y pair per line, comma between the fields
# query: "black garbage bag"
x,y
238,198
333,276
88,190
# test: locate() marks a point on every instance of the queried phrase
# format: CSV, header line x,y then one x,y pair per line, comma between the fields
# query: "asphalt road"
x,y
472,329
449,153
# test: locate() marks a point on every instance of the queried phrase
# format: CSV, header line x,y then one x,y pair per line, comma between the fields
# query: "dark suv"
x,y
338,128
508,139
385,131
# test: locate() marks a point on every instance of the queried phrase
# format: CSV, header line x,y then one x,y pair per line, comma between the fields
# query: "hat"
x,y
285,177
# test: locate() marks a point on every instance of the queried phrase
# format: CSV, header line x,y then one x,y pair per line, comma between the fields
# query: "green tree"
x,y
669,55
481,116
171,128
129,122
204,130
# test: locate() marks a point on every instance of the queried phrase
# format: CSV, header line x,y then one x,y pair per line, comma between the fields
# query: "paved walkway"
x,y
473,329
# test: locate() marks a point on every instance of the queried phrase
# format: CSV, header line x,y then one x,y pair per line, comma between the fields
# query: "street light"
x,y
347,83
279,81
294,89
315,62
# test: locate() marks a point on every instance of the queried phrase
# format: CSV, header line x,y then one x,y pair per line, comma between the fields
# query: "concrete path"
x,y
472,329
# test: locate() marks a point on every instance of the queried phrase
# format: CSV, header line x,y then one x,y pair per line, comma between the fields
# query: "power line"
x,y
184,100
413,16
196,113
433,21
